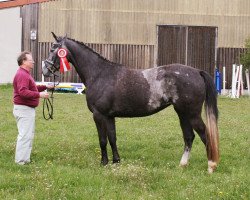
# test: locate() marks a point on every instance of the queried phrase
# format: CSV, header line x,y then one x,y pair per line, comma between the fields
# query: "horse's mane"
x,y
90,49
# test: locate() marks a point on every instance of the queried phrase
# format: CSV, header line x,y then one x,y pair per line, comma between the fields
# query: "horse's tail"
x,y
212,133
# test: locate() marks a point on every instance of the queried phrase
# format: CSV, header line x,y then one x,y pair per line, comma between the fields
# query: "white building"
x,y
10,42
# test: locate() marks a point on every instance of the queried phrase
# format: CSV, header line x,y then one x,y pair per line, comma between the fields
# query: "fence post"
x,y
224,80
43,64
239,78
247,78
234,80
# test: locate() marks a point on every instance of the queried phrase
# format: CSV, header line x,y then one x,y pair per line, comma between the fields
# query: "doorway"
x,y
189,45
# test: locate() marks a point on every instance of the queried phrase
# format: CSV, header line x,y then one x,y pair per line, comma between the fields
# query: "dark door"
x,y
189,45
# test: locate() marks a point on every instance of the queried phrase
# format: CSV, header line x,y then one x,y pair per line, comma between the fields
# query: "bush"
x,y
245,58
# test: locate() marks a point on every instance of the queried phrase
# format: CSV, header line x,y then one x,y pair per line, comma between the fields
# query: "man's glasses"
x,y
30,61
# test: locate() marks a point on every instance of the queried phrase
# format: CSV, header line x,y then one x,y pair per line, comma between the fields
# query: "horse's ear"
x,y
65,36
54,35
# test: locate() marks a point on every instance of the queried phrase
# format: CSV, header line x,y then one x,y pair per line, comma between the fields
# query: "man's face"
x,y
29,62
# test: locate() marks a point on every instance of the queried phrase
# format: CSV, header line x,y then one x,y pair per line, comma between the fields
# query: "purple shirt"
x,y
25,90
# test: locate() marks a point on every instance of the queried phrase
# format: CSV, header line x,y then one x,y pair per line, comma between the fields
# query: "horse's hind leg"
x,y
200,127
188,136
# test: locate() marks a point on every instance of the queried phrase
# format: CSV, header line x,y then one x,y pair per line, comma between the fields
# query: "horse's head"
x,y
52,63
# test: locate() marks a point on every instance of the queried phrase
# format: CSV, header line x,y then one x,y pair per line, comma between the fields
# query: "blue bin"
x,y
218,81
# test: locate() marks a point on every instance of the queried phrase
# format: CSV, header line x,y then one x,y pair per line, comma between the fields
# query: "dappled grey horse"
x,y
114,90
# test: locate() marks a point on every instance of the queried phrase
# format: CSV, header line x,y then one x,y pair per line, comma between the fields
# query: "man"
x,y
25,98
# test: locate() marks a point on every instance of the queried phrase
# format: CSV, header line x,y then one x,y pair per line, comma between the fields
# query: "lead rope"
x,y
48,104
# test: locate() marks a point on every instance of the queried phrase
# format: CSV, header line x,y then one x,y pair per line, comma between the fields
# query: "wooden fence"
x,y
226,57
138,57
133,56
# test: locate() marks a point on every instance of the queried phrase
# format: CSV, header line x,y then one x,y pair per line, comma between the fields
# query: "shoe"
x,y
20,163
23,163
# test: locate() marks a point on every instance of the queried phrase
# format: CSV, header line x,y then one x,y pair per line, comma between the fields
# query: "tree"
x,y
245,58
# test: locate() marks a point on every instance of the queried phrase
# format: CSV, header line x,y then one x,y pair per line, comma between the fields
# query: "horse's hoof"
x,y
116,161
104,163
183,165
211,166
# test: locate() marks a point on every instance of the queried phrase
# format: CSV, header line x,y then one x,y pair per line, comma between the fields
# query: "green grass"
x,y
66,156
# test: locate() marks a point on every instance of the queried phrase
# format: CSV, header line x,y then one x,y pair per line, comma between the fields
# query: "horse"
x,y
114,90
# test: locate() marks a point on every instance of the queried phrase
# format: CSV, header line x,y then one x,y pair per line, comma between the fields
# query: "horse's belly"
x,y
131,114
138,109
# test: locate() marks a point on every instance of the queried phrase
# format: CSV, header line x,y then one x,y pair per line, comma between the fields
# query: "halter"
x,y
64,66
48,103
50,62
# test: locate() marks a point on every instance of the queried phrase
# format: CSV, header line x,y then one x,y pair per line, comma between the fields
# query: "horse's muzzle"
x,y
47,68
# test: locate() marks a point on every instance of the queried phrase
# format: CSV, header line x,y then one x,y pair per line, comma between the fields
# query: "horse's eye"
x,y
55,46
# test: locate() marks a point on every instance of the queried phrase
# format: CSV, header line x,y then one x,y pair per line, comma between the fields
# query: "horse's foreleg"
x,y
188,136
101,129
106,128
111,131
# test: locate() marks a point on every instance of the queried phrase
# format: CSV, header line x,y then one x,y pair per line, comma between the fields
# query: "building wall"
x,y
10,40
134,22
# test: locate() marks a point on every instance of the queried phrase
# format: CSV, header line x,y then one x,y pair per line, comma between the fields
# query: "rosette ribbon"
x,y
64,63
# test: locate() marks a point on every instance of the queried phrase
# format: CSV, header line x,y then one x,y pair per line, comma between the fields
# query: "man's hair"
x,y
22,57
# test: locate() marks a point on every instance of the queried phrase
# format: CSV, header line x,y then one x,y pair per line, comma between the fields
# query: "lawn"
x,y
66,156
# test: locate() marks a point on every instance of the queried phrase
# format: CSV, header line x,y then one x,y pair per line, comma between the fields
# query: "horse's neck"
x,y
86,62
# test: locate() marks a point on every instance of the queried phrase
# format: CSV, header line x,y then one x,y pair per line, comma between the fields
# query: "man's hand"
x,y
50,86
44,95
